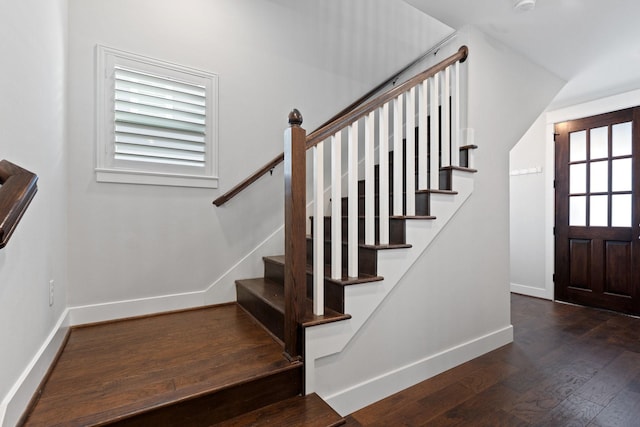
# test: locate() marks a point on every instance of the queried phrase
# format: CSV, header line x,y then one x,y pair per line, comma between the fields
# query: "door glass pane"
x,y
599,177
578,146
621,139
621,210
599,143
621,175
598,211
578,178
578,211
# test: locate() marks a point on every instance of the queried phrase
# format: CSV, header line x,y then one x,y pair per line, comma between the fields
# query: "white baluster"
x,y
397,155
383,172
318,229
369,184
410,147
446,119
352,221
434,143
423,135
336,206
455,116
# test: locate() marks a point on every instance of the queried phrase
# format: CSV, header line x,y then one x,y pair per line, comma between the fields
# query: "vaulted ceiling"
x,y
592,44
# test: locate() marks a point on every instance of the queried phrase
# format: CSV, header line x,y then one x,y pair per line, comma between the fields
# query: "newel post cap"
x,y
295,117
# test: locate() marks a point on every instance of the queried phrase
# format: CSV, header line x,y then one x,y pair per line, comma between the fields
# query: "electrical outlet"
x,y
51,289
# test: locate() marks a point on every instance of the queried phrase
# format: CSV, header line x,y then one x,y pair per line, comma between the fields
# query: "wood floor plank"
x,y
486,405
446,399
623,411
307,411
489,375
606,384
573,411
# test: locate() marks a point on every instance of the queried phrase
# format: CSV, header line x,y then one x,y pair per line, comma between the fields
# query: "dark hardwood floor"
x,y
567,366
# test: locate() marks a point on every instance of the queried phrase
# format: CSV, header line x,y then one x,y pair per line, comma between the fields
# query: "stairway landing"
x,y
195,367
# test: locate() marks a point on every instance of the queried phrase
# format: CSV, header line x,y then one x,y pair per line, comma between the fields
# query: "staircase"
x,y
194,368
263,297
399,206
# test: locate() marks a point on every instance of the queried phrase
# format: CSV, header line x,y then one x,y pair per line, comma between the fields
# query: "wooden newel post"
x,y
295,252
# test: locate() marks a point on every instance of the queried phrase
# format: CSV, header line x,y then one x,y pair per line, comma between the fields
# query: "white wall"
x,y
130,242
32,135
455,298
527,181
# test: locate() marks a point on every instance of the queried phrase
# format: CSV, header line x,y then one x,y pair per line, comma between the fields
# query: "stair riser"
x,y
397,230
333,292
446,180
464,158
271,318
367,257
225,404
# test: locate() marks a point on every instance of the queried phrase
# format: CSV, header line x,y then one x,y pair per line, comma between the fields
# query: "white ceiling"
x,y
592,44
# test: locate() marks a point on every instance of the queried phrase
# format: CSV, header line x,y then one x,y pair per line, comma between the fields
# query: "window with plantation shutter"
x,y
156,122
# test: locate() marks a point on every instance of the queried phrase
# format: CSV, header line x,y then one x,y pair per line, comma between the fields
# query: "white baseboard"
x,y
530,291
222,290
357,397
94,313
18,398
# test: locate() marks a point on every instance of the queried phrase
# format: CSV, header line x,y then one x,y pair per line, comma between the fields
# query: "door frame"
x,y
600,281
574,112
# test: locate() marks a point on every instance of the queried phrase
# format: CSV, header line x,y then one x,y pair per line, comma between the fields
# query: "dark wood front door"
x,y
598,211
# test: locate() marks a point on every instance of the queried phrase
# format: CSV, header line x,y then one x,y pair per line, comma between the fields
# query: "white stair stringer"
x,y
362,300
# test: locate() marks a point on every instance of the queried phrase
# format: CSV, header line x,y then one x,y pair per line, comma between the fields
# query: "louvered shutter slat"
x,y
153,101
129,128
159,142
159,152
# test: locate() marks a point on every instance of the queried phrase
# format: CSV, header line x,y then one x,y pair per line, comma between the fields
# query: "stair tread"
x,y
272,293
388,246
427,217
345,280
377,217
459,168
433,191
308,411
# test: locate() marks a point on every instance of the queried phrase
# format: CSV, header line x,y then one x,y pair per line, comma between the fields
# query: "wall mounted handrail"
x,y
17,188
336,118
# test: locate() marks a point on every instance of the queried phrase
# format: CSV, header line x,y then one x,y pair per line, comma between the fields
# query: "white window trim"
x,y
107,168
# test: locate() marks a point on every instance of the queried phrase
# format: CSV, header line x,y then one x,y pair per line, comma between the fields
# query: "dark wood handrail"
x,y
250,180
348,115
17,188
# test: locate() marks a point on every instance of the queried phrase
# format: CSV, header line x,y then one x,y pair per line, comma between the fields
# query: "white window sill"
x,y
154,178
